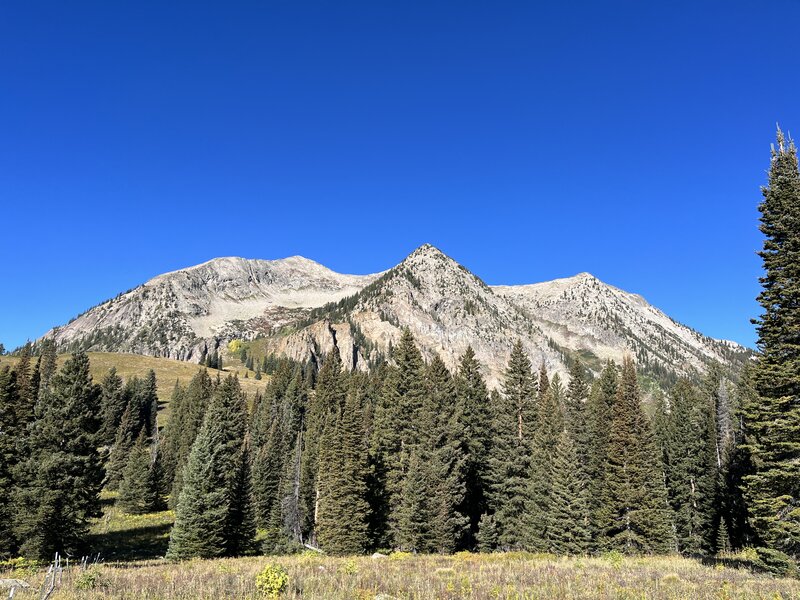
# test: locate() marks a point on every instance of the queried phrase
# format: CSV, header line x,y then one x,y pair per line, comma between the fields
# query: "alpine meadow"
x,y
399,301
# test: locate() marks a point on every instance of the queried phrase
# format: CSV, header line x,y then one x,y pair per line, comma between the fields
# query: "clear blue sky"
x,y
627,139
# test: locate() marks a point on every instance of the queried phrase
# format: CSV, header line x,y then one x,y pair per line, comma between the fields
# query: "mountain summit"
x,y
302,309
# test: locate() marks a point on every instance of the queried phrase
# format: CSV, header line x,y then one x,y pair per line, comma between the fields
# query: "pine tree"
x,y
513,416
567,523
112,405
213,516
123,442
475,425
544,440
576,414
193,408
634,516
327,401
599,416
442,450
691,468
9,457
772,420
395,432
139,491
414,512
63,474
343,508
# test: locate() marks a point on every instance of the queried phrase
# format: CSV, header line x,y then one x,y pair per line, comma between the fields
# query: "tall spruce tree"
x,y
328,399
475,418
442,449
772,420
9,457
634,515
140,488
112,405
599,415
544,440
214,517
193,408
513,417
567,517
343,508
395,432
62,476
691,468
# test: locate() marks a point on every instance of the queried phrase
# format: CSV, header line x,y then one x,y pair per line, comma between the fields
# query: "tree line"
x,y
416,457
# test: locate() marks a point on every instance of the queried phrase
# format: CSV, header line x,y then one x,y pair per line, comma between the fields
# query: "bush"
x,y
90,579
776,562
400,555
272,581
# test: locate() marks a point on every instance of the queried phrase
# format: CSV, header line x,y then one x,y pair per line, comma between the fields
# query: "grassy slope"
x,y
167,371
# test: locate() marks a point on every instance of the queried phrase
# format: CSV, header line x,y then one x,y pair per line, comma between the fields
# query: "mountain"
x,y
299,308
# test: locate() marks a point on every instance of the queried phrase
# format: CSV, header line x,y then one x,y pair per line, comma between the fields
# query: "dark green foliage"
x,y
544,440
475,424
61,477
486,537
180,433
9,457
567,517
123,442
112,405
395,432
139,491
214,516
326,402
633,515
599,415
691,468
442,450
413,515
513,418
343,508
772,419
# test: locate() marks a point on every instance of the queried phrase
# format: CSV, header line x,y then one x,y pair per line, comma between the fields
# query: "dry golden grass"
x,y
167,371
510,576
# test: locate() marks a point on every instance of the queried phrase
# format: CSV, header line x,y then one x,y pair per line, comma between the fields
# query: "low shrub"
x,y
272,581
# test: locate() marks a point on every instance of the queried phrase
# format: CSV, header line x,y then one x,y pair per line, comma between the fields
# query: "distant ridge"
x,y
303,309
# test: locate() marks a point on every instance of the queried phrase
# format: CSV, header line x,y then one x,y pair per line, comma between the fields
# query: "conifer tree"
x,y
442,416
9,458
139,491
567,523
123,442
193,408
112,405
26,388
544,440
213,516
576,414
633,516
475,425
599,416
414,512
691,468
327,401
343,508
512,421
772,420
62,474
395,432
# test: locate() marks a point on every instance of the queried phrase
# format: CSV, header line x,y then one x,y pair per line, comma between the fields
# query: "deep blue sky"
x,y
627,139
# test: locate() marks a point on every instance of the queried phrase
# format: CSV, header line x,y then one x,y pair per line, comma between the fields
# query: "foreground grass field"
x,y
511,575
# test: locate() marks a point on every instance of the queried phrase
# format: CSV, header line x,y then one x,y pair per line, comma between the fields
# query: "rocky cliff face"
x,y
303,309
